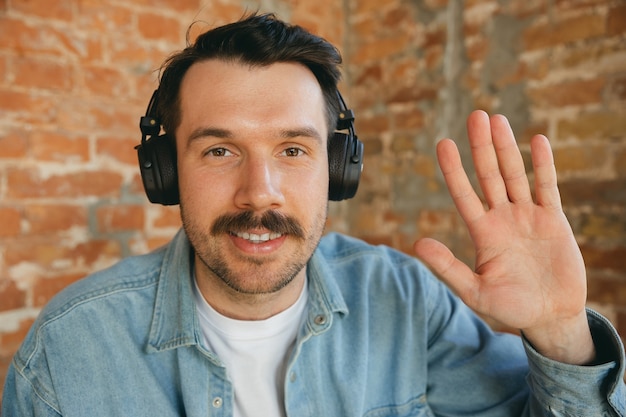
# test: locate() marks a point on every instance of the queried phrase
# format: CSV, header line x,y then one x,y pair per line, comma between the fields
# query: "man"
x,y
249,311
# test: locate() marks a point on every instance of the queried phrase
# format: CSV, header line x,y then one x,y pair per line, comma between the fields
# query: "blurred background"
x,y
76,75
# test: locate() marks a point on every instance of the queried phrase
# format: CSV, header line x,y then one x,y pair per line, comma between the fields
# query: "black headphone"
x,y
157,157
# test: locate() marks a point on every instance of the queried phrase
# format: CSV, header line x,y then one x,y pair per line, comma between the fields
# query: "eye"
x,y
293,152
218,152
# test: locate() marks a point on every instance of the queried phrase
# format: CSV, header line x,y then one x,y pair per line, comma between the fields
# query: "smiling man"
x,y
253,177
251,311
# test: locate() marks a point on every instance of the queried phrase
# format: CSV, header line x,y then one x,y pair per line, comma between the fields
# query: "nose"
x,y
259,185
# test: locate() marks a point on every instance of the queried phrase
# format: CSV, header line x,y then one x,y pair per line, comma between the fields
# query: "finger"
x,y
510,160
546,187
485,159
465,199
457,275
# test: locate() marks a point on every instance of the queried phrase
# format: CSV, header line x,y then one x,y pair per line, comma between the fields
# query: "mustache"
x,y
271,220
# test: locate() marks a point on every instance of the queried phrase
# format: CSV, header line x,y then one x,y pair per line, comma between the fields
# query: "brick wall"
x,y
76,75
416,69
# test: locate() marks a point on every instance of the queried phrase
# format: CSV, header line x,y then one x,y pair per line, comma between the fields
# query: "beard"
x,y
247,274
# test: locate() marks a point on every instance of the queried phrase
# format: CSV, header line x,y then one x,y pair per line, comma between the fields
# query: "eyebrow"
x,y
303,131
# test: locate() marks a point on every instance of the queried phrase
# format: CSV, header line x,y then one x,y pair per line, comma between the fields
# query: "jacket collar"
x,y
174,322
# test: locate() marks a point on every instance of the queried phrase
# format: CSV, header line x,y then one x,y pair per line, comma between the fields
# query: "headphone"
x,y
157,157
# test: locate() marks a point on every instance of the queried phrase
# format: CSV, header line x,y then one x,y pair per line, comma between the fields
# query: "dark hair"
x,y
257,40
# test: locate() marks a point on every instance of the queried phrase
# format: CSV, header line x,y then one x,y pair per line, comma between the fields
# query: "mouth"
x,y
257,238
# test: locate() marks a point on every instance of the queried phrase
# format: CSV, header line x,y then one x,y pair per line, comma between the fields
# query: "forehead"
x,y
215,88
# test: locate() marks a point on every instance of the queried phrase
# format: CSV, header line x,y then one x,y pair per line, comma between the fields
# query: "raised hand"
x,y
529,272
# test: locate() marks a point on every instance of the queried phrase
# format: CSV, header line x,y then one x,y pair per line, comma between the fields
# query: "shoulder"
x,y
354,264
127,275
339,248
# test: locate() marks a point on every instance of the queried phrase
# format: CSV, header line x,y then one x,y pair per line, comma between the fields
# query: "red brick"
x,y
603,225
28,183
620,163
42,39
51,254
568,93
380,48
10,222
136,185
372,124
6,356
369,74
10,341
586,5
412,93
609,125
433,57
410,119
13,144
105,81
621,325
50,146
607,291
102,17
159,27
425,166
52,218
590,192
59,10
174,5
617,89
120,217
477,50
369,7
121,149
525,8
11,297
89,115
613,259
366,27
552,33
3,70
138,54
157,242
616,20
46,288
167,216
42,108
578,159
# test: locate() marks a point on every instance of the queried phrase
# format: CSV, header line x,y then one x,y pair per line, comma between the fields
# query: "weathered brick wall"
x,y
417,68
76,75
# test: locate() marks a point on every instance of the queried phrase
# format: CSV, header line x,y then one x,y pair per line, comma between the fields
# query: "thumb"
x,y
457,275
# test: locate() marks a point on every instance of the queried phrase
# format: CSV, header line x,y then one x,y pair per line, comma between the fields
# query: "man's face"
x,y
253,172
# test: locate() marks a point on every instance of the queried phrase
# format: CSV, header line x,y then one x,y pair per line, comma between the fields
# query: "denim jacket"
x,y
382,337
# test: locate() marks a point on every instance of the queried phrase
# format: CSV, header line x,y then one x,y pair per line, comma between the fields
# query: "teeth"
x,y
254,238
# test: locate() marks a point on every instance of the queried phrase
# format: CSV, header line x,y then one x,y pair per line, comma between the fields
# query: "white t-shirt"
x,y
255,354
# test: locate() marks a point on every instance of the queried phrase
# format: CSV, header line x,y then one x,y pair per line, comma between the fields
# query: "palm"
x,y
525,260
528,267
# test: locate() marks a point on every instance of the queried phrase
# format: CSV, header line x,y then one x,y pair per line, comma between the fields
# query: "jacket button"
x,y
320,320
217,402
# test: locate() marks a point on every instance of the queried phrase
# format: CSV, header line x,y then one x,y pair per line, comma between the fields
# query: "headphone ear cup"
x,y
157,164
344,166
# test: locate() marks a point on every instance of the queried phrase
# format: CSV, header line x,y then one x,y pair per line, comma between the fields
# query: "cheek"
x,y
307,185
201,191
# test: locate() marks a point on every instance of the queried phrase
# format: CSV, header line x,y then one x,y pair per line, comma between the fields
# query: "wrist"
x,y
566,340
